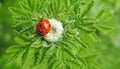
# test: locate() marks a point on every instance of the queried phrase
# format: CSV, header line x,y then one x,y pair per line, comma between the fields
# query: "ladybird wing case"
x,y
43,27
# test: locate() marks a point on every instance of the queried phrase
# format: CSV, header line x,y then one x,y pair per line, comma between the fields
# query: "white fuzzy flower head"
x,y
56,31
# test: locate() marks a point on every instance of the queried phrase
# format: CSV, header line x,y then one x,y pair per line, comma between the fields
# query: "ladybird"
x,y
43,27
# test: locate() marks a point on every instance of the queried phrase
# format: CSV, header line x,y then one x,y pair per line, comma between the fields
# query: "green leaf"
x,y
23,5
40,6
36,44
107,16
89,21
12,49
43,52
14,56
69,52
94,37
87,9
21,36
100,13
67,3
75,62
36,55
56,65
103,28
90,57
15,11
20,41
73,44
24,55
26,28
81,42
86,29
29,3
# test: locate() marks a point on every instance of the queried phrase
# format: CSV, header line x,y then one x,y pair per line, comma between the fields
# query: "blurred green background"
x,y
5,22
6,36
5,28
108,47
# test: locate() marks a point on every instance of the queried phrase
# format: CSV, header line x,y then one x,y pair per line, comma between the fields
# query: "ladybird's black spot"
x,y
40,25
49,25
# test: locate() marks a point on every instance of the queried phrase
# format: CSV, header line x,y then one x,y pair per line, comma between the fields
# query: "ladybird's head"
x,y
39,33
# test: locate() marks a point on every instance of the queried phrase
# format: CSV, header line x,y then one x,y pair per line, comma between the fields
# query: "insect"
x,y
43,27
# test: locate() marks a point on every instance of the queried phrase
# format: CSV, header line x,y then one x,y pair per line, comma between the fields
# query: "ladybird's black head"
x,y
40,33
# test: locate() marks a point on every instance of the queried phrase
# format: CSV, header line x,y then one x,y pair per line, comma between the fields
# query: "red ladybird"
x,y
43,27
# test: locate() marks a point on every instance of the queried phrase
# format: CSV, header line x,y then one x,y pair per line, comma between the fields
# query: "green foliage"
x,y
109,46
75,51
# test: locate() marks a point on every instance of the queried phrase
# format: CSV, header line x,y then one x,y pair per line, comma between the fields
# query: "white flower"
x,y
56,31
